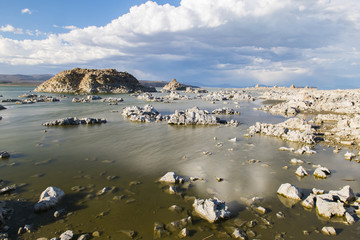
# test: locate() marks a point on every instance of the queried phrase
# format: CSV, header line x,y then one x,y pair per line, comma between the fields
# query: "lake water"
x,y
120,152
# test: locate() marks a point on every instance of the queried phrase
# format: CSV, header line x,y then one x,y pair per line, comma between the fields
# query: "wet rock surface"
x,y
211,210
49,198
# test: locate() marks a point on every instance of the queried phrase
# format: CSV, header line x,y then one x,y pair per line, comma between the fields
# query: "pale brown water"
x,y
86,155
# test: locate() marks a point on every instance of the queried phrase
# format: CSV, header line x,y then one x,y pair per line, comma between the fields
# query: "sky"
x,y
230,43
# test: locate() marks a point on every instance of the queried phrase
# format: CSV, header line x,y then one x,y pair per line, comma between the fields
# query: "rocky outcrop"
x,y
225,95
2,107
173,86
211,210
74,121
339,204
142,114
49,198
92,81
293,130
225,111
193,116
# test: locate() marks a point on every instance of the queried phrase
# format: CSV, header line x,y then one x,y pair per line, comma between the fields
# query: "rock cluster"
x,y
225,111
193,116
339,203
225,95
173,96
74,121
173,86
49,198
196,90
142,114
92,81
293,129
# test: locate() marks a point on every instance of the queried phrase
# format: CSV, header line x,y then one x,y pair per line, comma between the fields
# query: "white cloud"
x,y
26,10
11,29
259,40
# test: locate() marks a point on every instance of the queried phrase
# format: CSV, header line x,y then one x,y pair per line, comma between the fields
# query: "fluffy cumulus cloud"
x,y
233,42
11,29
26,11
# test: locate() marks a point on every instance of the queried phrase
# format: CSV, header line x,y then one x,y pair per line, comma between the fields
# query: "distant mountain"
x,y
20,79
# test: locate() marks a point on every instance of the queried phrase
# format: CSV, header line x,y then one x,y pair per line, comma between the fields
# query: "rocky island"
x,y
93,81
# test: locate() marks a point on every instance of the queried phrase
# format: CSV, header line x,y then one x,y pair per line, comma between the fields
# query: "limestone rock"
x,y
193,116
174,86
301,172
321,172
327,207
309,202
238,234
171,177
345,194
142,114
290,191
330,231
49,198
68,235
92,81
211,210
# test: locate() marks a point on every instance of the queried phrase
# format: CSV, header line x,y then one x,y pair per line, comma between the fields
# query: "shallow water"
x,y
87,155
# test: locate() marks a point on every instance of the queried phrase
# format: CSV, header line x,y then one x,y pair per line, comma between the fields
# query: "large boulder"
x,y
193,116
49,198
328,207
211,210
92,81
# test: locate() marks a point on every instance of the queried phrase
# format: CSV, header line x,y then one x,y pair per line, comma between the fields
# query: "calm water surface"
x,y
89,156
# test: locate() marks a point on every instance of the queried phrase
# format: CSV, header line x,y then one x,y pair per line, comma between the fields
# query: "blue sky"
x,y
205,42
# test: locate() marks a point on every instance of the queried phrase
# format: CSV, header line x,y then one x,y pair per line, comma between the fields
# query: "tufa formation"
x,y
93,81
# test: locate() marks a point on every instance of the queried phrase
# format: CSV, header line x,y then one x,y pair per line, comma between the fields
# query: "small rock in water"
x,y
175,208
184,233
68,235
49,198
103,191
301,172
280,215
84,237
290,191
130,233
219,179
211,209
233,139
260,210
349,156
238,234
317,191
330,231
321,172
96,234
296,161
4,154
159,231
171,177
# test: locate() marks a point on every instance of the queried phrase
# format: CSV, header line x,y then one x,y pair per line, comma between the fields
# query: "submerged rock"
x,y
289,191
49,198
211,210
68,235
